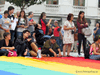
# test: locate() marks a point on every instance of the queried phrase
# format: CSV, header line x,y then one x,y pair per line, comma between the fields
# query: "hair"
x,y
6,12
69,16
36,26
30,13
26,31
10,8
84,20
97,37
24,16
53,37
6,34
41,16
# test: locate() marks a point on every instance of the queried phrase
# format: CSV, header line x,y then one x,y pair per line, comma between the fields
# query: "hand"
x,y
87,24
97,28
29,40
12,20
13,48
53,27
82,24
55,55
50,20
22,26
25,26
60,54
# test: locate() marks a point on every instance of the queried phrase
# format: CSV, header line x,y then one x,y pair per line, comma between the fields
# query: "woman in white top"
x,y
22,23
69,30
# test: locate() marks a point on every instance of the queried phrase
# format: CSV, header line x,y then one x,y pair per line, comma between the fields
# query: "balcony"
x,y
50,8
77,9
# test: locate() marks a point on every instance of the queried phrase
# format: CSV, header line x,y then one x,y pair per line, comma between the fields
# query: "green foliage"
x,y
25,3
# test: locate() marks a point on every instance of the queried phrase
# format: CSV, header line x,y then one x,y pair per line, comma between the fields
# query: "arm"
x,y
95,31
34,36
10,48
81,25
2,27
65,28
94,50
49,22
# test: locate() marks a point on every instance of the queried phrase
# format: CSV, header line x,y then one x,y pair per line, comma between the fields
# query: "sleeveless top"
x,y
91,50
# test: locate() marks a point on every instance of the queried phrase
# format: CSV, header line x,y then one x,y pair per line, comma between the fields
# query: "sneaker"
x,y
79,55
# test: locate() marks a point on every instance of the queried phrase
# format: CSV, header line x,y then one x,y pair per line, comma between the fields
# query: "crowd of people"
x,y
20,33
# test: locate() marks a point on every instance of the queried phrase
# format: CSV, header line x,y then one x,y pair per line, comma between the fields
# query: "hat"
x,y
5,34
55,21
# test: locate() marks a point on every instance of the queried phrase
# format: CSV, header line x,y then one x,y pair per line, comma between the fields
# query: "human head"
x,y
7,35
11,9
70,17
53,39
30,14
6,14
97,39
43,16
26,34
97,25
56,23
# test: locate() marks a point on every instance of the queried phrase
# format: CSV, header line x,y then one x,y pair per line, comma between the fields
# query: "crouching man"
x,y
25,46
50,47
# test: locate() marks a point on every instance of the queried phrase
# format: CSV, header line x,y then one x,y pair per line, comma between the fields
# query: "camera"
x,y
72,31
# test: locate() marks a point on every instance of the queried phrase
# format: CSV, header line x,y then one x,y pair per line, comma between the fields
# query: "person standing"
x,y
81,23
32,23
96,30
57,33
5,25
69,30
11,17
22,23
44,24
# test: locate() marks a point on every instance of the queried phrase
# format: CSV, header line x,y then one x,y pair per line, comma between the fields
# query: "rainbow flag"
x,y
48,66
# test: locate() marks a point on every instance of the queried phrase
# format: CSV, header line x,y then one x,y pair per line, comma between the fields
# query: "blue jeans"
x,y
47,36
19,34
12,34
3,52
95,57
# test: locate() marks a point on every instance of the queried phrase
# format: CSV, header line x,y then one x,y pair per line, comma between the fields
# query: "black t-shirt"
x,y
3,43
11,16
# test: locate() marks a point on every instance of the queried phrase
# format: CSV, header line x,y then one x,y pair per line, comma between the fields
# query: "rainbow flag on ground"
x,y
48,66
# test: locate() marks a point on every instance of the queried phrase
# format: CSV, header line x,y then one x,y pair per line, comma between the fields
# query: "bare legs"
x,y
68,49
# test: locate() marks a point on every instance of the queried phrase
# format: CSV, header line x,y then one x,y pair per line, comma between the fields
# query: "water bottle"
x,y
39,53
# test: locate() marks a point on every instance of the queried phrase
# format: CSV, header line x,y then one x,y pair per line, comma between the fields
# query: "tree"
x,y
23,4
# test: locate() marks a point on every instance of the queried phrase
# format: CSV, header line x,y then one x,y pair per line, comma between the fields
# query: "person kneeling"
x,y
25,46
6,44
50,47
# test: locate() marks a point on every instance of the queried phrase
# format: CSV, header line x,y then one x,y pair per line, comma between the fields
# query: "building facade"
x,y
59,9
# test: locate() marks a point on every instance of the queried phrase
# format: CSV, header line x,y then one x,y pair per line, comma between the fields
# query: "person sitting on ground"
x,y
50,47
39,35
95,49
6,44
25,46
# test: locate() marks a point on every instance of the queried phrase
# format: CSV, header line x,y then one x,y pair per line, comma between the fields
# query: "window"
x,y
2,2
79,2
52,2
